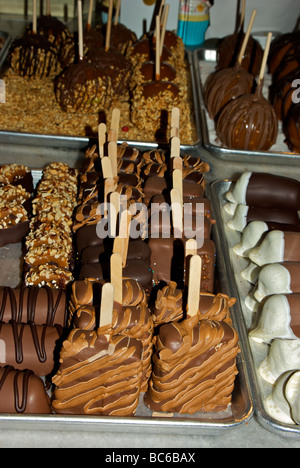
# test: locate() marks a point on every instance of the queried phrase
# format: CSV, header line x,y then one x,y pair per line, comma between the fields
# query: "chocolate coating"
x,y
292,129
225,85
22,393
248,122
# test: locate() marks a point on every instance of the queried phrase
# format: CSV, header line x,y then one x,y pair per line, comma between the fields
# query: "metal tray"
x,y
204,60
4,49
240,288
241,410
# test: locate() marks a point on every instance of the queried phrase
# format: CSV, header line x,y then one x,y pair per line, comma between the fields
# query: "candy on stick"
x,y
229,83
249,122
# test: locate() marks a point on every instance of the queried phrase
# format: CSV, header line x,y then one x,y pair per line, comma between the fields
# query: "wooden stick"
x,y
115,124
48,8
107,305
113,156
117,15
243,14
107,168
175,147
80,30
108,28
194,285
122,240
175,122
178,183
34,17
177,164
157,50
101,139
177,213
164,28
246,38
90,16
116,275
265,58
191,248
115,203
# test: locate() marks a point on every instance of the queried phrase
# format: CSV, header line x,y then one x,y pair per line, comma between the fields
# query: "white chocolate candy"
x,y
275,321
272,279
251,273
238,191
230,208
271,250
239,220
252,236
284,402
284,356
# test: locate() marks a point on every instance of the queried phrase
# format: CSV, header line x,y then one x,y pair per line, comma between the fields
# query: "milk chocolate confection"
x,y
168,261
121,37
225,85
194,367
280,47
279,319
282,94
13,195
289,64
292,129
266,191
277,247
34,56
98,375
129,153
14,224
48,275
248,122
22,393
38,305
144,50
283,403
170,305
230,47
29,346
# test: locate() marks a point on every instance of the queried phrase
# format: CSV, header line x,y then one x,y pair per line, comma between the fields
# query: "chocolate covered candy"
x,y
277,247
22,392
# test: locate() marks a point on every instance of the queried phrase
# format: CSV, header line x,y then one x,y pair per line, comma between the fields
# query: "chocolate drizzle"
x,y
20,406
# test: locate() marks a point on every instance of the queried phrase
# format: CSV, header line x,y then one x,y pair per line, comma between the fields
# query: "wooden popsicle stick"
x,y
115,124
265,59
243,14
114,213
107,168
34,17
117,15
164,28
161,8
157,50
124,234
101,139
80,30
90,16
116,277
175,121
109,22
175,147
194,285
191,248
113,156
107,305
177,213
48,8
178,183
246,38
177,164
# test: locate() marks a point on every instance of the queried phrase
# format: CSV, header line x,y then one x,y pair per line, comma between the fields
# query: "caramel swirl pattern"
x,y
194,367
98,376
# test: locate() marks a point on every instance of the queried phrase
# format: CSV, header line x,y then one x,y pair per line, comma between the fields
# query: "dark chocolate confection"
x,y
290,64
274,215
22,393
269,191
129,153
280,47
42,306
167,71
230,47
292,129
34,56
14,234
154,88
87,237
248,122
225,85
121,37
281,94
29,346
145,48
93,39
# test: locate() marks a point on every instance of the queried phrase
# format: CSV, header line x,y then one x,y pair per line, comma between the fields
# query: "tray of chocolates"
x,y
261,240
73,80
116,318
248,96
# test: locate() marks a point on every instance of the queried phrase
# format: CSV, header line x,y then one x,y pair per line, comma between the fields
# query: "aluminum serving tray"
x,y
254,353
241,410
204,62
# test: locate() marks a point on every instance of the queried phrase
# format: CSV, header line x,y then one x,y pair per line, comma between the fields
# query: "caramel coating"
x,y
194,367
